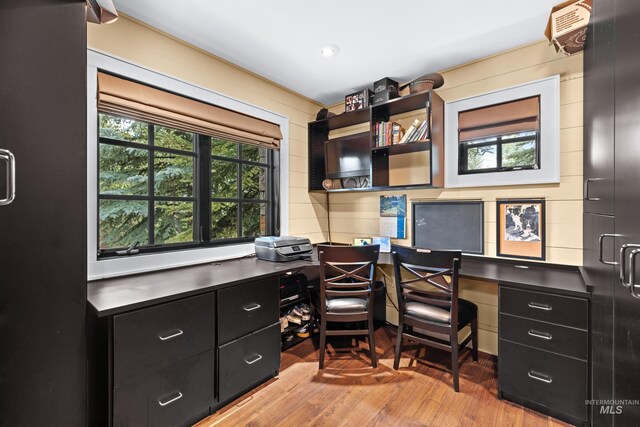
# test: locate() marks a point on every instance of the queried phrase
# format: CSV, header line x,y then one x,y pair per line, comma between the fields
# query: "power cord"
x,y
386,290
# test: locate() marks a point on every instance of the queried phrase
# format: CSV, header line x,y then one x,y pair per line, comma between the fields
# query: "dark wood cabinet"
x,y
43,242
598,104
246,308
151,339
429,102
180,395
172,364
544,352
247,361
626,327
612,99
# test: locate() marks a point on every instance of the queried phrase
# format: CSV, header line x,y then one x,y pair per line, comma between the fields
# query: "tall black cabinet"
x,y
611,205
43,231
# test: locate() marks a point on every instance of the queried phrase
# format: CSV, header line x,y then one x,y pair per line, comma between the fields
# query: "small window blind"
x,y
511,117
129,99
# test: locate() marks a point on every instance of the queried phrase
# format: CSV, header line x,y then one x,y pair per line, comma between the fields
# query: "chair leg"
x,y
323,339
474,340
455,362
372,344
396,359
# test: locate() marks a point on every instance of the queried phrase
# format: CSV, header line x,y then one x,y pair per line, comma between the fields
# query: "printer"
x,y
283,248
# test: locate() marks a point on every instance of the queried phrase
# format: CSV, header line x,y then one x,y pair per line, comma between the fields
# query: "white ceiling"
x,y
401,39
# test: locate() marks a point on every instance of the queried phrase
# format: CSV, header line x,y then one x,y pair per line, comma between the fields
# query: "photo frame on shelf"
x,y
521,228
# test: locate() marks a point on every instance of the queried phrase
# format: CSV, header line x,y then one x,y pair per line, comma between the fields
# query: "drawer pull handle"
x,y
251,362
538,306
170,401
540,377
251,307
543,335
168,337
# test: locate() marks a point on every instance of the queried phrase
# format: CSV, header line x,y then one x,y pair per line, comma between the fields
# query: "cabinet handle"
x,y
585,190
600,242
170,401
632,273
251,307
251,362
168,337
539,306
543,335
540,377
8,157
623,262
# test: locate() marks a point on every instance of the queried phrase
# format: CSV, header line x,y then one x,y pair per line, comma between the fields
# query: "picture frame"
x,y
520,228
362,241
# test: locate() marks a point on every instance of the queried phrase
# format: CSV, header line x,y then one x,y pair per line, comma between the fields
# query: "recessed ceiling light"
x,y
328,50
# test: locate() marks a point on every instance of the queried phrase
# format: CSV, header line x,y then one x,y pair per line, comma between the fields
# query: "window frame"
x,y
202,192
153,261
499,143
548,89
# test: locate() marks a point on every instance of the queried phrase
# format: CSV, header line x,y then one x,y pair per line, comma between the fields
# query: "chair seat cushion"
x,y
346,305
467,311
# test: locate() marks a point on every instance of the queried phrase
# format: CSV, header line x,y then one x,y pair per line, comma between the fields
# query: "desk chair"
x,y
436,308
346,291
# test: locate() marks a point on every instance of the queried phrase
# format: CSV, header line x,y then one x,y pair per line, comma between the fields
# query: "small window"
x,y
499,138
514,151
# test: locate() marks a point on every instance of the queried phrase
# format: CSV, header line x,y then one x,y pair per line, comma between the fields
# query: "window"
x,y
501,153
165,189
507,137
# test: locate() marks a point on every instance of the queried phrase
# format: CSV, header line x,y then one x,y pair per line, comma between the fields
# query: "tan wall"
x,y
141,45
354,215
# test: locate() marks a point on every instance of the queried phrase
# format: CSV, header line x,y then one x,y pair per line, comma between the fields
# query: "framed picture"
x,y
362,241
393,205
520,228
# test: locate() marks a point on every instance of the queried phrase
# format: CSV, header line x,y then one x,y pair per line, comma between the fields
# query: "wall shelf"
x,y
433,106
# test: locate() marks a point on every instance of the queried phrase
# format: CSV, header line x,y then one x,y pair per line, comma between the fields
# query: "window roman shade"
x,y
500,119
130,99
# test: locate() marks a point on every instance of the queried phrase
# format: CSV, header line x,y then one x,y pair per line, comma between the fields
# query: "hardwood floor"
x,y
349,392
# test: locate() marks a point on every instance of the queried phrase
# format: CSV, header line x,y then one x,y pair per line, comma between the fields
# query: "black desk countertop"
x,y
122,294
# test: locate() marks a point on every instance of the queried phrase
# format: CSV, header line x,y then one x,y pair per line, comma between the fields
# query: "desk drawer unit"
x,y
546,307
545,378
247,361
545,336
544,352
151,339
246,308
180,395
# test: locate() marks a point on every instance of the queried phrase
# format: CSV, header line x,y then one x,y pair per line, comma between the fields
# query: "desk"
x,y
122,294
205,316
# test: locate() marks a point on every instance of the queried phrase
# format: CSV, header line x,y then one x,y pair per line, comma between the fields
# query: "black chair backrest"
x,y
430,267
347,270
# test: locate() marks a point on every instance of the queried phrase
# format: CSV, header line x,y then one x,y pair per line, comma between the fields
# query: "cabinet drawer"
x,y
148,340
247,361
566,311
246,308
545,336
554,381
179,395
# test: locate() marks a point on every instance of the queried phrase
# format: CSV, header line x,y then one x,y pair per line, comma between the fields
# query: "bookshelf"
x,y
431,108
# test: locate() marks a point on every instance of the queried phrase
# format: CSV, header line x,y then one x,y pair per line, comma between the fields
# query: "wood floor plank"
x,y
348,391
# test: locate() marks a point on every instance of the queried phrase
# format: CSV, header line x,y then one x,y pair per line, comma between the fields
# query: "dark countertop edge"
x,y
301,264
547,289
121,309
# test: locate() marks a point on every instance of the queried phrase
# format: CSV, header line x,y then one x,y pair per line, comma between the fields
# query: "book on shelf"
x,y
412,129
387,133
417,132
